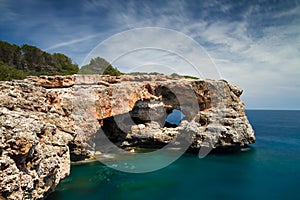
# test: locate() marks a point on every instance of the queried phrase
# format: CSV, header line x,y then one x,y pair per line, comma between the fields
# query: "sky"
x,y
253,44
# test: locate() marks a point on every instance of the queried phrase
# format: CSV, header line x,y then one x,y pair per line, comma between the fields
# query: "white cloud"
x,y
263,66
170,48
261,53
71,42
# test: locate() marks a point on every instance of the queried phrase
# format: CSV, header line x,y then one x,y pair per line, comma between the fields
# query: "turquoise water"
x,y
269,170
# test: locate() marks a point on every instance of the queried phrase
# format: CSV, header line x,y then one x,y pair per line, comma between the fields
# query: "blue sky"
x,y
254,44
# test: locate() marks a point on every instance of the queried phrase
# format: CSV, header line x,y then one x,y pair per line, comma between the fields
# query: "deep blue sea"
x,y
269,170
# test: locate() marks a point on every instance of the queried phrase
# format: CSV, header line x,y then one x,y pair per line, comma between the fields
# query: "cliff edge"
x,y
46,122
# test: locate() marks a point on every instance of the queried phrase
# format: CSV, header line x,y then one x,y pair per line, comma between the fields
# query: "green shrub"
x,y
99,66
8,74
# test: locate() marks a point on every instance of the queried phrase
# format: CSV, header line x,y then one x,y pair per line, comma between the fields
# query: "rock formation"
x,y
45,122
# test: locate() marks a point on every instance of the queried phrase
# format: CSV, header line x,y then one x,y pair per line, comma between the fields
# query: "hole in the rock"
x,y
174,118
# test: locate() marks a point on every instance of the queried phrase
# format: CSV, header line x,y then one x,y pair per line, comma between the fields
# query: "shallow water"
x,y
270,169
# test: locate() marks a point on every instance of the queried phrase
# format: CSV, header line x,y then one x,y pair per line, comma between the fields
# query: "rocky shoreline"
x,y
47,122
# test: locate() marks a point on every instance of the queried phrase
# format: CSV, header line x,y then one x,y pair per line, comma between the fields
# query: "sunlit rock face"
x,y
47,122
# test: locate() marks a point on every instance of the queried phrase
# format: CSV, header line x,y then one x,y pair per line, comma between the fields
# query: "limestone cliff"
x,y
47,121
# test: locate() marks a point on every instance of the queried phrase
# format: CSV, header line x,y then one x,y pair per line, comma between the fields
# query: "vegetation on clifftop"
x,y
99,66
8,73
19,61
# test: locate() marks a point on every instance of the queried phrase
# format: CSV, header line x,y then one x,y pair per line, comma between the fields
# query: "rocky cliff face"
x,y
47,121
34,153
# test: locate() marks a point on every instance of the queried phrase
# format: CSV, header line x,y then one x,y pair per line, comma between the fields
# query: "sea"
x,y
268,169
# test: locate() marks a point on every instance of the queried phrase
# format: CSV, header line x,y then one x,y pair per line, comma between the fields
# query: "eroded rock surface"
x,y
34,154
45,122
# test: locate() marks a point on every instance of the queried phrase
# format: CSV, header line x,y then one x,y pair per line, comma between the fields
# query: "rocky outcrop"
x,y
45,122
34,153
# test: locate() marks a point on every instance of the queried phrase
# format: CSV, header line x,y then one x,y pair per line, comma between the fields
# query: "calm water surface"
x,y
269,170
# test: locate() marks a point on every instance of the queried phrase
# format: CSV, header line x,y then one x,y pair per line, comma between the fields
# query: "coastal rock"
x,y
34,156
47,122
54,81
213,107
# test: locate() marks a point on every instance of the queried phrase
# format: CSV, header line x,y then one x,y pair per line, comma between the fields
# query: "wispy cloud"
x,y
6,13
71,42
256,46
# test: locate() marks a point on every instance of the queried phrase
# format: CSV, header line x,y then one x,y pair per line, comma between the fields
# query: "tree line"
x,y
17,62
